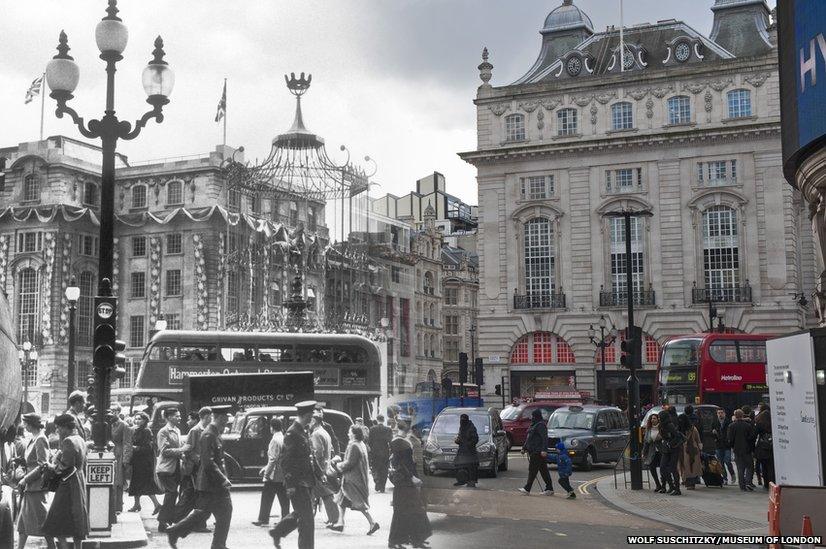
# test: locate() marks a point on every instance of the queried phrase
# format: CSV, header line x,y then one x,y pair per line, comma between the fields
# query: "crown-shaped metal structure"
x,y
298,86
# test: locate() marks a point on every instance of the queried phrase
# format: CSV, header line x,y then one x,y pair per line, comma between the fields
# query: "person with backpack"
x,y
741,439
565,468
672,449
763,450
720,431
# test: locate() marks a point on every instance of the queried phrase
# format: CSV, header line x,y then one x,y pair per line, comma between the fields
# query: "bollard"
x,y
807,531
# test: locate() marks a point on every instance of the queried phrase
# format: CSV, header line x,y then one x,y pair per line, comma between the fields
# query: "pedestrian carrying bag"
x,y
675,441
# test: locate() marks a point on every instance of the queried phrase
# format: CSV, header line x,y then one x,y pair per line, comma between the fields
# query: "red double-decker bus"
x,y
728,370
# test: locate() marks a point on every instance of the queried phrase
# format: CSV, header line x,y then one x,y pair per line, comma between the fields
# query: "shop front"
x,y
614,387
533,383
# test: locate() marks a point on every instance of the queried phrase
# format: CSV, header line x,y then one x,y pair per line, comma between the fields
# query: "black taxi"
x,y
246,445
591,433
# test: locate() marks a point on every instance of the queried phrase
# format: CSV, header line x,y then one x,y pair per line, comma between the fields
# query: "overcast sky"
x,y
393,79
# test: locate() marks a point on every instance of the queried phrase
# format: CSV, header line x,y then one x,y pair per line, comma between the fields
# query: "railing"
x,y
740,294
539,301
644,298
626,469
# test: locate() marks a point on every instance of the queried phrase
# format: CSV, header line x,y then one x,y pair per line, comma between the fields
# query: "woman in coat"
x,y
355,486
690,462
467,459
763,450
410,524
33,510
68,516
143,481
671,451
651,450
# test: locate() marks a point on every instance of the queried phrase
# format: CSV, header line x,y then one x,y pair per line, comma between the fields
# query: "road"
x,y
493,515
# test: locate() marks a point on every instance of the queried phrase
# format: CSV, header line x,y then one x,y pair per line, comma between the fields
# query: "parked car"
x,y
440,446
517,419
591,433
245,446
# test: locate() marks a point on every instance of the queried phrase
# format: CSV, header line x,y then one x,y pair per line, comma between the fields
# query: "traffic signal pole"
x,y
636,361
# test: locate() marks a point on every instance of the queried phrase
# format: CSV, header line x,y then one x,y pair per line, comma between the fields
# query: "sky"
x,y
392,79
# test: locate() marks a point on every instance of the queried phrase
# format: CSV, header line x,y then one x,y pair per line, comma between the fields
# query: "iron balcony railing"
x,y
555,300
642,298
739,294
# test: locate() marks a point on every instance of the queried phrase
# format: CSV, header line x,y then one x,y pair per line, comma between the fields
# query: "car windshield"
x,y
511,412
569,419
448,424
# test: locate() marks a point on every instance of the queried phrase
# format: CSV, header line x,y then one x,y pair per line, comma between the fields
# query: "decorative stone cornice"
x,y
757,79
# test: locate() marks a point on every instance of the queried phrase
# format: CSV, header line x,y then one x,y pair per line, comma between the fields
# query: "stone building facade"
x,y
680,125
426,245
460,291
185,246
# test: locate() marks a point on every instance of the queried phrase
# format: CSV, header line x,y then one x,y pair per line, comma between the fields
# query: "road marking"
x,y
583,488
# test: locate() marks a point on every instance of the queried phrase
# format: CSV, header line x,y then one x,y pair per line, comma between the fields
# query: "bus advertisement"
x,y
728,370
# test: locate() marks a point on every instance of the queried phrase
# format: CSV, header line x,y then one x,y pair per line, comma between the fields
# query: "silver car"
x,y
440,446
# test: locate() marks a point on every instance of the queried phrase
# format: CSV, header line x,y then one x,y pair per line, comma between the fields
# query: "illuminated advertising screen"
x,y
802,43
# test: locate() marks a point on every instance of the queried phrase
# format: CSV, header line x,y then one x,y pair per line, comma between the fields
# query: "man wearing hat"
x,y
212,486
191,464
77,405
380,437
299,479
323,452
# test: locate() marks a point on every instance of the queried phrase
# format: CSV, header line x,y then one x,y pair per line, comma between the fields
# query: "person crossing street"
x,y
168,467
380,437
536,446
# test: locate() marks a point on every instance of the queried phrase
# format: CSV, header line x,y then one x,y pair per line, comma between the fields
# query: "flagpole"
x,y
42,103
622,40
225,112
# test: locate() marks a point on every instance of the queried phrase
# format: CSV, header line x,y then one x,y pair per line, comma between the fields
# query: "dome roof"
x,y
567,16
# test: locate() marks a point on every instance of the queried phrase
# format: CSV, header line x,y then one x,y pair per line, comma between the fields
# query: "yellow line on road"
x,y
583,488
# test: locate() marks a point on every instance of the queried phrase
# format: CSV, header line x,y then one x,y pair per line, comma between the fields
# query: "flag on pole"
x,y
222,105
34,89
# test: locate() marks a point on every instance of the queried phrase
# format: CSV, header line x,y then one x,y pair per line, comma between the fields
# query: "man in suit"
x,y
741,439
122,441
168,466
380,437
212,486
299,479
189,466
77,407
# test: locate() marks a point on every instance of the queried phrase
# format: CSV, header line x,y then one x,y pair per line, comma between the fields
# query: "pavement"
x,y
710,510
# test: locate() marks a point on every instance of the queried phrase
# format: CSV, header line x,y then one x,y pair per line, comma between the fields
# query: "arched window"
x,y
31,188
515,127
28,293
432,314
540,258
567,122
739,103
622,116
542,348
429,287
426,346
90,194
721,252
85,307
139,196
433,346
679,110
174,193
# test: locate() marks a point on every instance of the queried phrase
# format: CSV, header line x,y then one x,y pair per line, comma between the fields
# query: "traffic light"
x,y
462,367
104,359
480,373
498,390
632,348
119,370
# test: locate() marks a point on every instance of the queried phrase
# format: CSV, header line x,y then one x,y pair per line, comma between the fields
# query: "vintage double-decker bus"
x,y
346,368
728,370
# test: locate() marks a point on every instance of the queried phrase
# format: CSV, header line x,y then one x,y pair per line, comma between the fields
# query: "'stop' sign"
x,y
802,42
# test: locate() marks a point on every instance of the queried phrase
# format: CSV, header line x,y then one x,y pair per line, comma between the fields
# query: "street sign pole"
x,y
636,360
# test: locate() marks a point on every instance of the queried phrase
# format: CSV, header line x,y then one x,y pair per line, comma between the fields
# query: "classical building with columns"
x,y
683,126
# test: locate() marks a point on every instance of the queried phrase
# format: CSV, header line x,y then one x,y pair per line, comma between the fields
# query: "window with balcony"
x,y
622,116
721,253
138,197
537,187
679,110
739,103
619,280
515,127
540,257
717,172
623,180
174,193
566,122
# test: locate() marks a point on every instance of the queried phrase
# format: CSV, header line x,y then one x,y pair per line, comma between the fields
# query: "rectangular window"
x,y
173,282
173,321
564,353
537,187
679,110
739,104
136,331
542,348
451,296
619,281
717,172
515,127
451,324
139,196
138,285
652,350
622,116
721,253
87,245
567,122
519,355
233,291
396,274
540,258
138,246
451,350
623,180
174,243
29,242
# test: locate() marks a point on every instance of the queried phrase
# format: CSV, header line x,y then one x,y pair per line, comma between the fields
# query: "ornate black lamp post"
x,y
605,340
62,75
72,295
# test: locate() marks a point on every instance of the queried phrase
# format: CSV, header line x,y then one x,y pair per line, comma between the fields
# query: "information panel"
x,y
791,375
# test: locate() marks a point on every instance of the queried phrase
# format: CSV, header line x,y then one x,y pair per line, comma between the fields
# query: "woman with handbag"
x,y
69,514
33,509
143,482
410,524
651,449
672,450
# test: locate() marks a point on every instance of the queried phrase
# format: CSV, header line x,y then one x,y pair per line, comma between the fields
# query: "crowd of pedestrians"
x,y
678,450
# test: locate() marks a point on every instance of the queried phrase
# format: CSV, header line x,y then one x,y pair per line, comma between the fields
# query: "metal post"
x,y
633,381
503,392
25,376
601,382
71,372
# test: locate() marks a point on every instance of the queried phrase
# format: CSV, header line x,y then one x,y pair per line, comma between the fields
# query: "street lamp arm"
x,y
91,132
127,132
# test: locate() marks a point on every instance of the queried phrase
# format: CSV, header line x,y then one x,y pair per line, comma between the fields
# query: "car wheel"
x,y
588,464
494,468
504,465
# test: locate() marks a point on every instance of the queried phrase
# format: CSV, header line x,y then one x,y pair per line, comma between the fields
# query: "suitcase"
x,y
712,471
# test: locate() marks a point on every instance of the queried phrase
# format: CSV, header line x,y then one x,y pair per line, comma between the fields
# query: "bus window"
x,y
162,352
195,352
752,351
238,354
319,355
271,354
723,351
680,353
